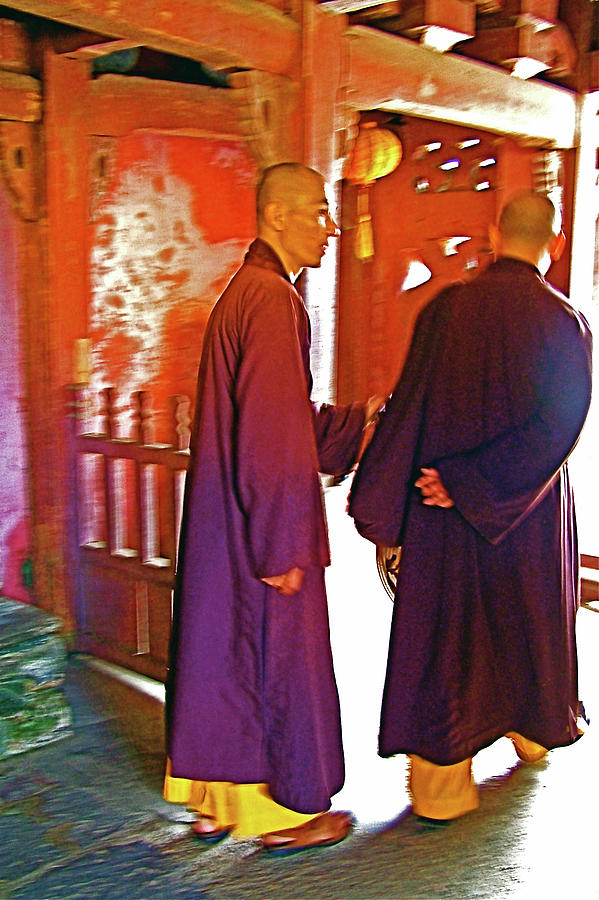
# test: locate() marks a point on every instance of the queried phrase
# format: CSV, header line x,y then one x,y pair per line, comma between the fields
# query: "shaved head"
x,y
294,216
285,183
530,218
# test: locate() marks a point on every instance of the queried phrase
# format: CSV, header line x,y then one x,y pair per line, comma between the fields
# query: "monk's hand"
x,y
433,490
287,584
372,408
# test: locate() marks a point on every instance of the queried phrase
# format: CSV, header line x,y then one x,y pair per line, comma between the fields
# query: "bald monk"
x,y
253,726
467,472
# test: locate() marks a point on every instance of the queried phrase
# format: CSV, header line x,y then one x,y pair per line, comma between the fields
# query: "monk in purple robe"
x,y
254,737
467,472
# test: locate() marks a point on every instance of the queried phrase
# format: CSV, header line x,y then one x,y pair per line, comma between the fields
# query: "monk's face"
x,y
308,223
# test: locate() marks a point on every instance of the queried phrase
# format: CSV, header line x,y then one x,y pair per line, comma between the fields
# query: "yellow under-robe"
x,y
447,792
441,792
248,809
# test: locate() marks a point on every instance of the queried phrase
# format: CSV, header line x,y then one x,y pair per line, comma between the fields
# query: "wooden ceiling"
x,y
556,38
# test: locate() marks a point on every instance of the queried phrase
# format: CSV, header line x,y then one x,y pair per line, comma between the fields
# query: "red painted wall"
x,y
376,317
171,221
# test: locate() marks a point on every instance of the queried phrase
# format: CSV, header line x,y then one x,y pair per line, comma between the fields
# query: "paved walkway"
x,y
84,817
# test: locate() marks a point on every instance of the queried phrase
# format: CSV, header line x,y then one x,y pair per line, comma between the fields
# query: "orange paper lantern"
x,y
377,152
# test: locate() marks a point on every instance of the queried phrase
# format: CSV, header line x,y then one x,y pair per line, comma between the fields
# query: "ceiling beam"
x,y
386,71
392,73
121,105
349,6
220,33
93,51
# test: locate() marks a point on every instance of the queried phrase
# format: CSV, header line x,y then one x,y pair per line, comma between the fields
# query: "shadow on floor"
x,y
84,818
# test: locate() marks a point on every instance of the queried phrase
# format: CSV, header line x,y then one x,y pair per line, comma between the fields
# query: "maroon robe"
x,y
251,694
494,394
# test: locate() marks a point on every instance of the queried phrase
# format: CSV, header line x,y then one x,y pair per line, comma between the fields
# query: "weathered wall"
x,y
172,219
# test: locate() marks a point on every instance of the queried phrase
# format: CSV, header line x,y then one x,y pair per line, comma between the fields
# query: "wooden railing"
x,y
127,507
127,498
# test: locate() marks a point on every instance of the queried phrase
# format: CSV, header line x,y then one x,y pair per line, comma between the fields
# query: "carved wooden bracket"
x,y
14,47
18,154
265,107
268,114
20,97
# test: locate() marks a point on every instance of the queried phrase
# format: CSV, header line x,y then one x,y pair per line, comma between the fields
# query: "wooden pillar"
x,y
63,320
327,129
586,206
303,115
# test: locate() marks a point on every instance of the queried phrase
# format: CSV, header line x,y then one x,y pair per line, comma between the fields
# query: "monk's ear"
x,y
274,215
495,239
556,247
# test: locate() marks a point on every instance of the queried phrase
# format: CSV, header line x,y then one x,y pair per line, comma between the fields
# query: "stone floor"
x,y
84,817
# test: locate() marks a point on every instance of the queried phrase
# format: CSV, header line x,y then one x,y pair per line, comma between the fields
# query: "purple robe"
x,y
493,394
251,694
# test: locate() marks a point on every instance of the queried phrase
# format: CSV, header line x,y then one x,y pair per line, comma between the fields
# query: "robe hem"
x,y
453,759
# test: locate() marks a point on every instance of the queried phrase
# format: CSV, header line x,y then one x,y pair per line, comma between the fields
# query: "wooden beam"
x,y
20,98
220,33
458,15
394,74
349,6
93,51
122,104
533,9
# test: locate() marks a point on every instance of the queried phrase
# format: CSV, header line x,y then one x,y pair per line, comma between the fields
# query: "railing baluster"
x,y
139,519
115,484
155,491
82,510
146,500
182,419
167,485
106,413
182,435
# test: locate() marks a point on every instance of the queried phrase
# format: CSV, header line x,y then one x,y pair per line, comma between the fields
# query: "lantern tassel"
x,y
364,239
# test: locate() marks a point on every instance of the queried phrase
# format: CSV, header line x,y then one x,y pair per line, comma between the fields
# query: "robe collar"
x,y
261,254
512,262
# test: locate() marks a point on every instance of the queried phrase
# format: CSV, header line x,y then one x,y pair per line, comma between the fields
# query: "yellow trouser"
x,y
441,792
447,792
248,809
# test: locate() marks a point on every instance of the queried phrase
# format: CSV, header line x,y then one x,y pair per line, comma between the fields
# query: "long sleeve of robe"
x,y
494,394
251,695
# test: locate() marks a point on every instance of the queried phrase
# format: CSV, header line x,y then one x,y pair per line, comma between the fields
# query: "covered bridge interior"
x,y
131,139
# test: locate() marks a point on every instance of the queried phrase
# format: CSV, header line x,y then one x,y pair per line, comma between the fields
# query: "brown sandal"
x,y
325,830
